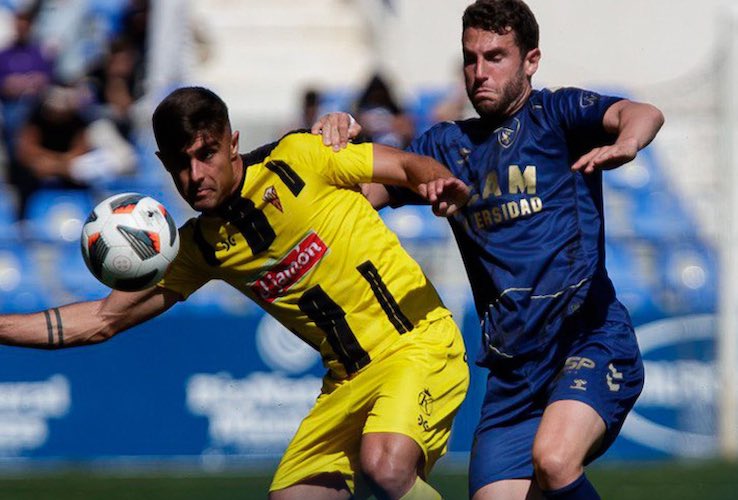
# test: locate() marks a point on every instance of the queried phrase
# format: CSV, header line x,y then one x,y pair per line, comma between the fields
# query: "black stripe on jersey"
x,y
258,155
290,178
329,317
251,222
207,251
385,298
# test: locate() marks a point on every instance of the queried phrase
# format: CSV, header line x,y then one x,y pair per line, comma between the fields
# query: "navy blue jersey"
x,y
532,236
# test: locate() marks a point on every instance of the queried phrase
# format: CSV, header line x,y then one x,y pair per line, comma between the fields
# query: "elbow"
x,y
658,117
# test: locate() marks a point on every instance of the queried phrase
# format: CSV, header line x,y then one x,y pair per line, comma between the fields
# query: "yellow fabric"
x,y
327,236
414,388
421,491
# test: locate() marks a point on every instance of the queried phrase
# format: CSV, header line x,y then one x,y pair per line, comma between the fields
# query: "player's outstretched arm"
x,y
84,323
635,124
424,175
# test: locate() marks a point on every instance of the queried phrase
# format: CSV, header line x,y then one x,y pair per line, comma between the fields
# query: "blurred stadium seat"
x,y
22,286
56,215
8,218
76,281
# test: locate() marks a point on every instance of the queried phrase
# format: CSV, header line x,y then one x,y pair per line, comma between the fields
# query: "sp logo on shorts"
x,y
574,363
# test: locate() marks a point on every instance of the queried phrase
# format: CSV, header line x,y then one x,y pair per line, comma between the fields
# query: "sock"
x,y
421,491
580,489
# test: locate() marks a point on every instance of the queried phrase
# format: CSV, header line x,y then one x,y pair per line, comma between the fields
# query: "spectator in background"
x,y
382,119
25,71
114,84
47,143
308,113
63,146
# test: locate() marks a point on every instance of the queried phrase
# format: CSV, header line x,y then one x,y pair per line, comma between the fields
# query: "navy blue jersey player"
x,y
564,365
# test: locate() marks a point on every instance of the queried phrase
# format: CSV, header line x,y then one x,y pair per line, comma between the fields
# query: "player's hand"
x,y
337,129
446,196
607,157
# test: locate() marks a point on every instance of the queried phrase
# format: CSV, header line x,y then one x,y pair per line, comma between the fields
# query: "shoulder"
x,y
573,96
297,139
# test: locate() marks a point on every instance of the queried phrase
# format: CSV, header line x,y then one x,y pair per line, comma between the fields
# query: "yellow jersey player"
x,y
287,226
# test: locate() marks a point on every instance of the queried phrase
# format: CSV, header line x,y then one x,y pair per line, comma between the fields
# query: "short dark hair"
x,y
501,16
186,113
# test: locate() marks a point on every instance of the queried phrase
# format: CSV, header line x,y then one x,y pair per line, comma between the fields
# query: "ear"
x,y
530,63
234,145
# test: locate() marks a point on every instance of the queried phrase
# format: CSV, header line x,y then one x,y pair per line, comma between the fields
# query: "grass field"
x,y
696,481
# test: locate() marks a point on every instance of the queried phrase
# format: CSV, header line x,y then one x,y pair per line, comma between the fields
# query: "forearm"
x,y
400,168
56,328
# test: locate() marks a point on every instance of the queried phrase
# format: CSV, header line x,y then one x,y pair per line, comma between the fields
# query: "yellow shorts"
x,y
415,388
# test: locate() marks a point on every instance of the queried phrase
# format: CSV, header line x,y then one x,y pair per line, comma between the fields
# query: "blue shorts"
x,y
595,360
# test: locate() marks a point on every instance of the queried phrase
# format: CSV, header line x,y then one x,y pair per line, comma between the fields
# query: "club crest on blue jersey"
x,y
506,135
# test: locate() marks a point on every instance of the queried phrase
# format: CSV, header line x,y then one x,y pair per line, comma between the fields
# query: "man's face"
x,y
207,172
497,75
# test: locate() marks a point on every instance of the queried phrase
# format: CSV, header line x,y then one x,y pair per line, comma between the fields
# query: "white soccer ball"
x,y
128,241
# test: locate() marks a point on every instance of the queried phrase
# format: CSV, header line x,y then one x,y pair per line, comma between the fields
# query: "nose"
x,y
196,171
479,71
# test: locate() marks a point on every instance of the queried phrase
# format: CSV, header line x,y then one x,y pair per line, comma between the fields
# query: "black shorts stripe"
x,y
286,173
329,317
389,305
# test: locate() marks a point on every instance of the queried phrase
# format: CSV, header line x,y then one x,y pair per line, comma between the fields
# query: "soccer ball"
x,y
128,241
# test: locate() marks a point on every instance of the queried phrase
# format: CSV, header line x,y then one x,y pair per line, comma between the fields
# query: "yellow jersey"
x,y
303,242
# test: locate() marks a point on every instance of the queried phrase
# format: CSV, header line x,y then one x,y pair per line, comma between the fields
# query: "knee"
x,y
388,473
554,468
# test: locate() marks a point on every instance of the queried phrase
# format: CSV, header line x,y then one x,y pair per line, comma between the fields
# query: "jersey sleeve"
x,y
188,272
348,167
580,113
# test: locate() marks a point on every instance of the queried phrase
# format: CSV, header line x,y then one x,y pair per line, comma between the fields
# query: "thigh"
x,y
509,489
569,431
421,385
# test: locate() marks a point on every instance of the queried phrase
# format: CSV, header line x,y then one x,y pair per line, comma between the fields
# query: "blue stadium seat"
x,y
8,218
22,287
75,280
633,268
689,273
56,215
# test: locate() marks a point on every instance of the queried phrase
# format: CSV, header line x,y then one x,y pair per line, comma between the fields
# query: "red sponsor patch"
x,y
296,264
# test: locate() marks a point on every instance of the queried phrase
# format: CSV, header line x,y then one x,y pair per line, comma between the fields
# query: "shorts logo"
x,y
270,195
284,274
425,401
579,384
613,375
577,363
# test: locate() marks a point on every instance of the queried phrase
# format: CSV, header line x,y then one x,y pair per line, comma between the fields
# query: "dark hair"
x,y
186,113
501,16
